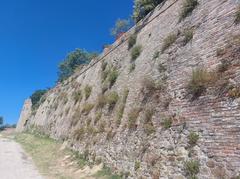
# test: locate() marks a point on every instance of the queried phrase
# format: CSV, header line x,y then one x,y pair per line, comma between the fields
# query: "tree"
x,y
73,61
1,120
121,26
36,97
143,7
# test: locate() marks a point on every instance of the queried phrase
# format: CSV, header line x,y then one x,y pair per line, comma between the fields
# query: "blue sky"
x,y
36,35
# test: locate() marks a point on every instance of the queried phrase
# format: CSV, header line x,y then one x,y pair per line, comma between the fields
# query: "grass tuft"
x,y
168,41
132,41
188,7
237,16
88,91
132,117
135,53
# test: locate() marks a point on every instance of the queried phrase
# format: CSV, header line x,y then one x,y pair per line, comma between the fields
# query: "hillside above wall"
x,y
161,102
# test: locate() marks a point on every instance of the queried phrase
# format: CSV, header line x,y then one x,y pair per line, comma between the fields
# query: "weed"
x,y
156,55
193,138
97,117
199,81
110,135
223,66
149,84
188,35
148,125
192,167
168,41
167,123
112,99
77,96
88,91
137,165
234,92
104,87
237,16
101,101
79,133
149,128
106,173
161,68
188,7
102,126
148,115
132,67
132,41
132,117
87,108
135,53
112,77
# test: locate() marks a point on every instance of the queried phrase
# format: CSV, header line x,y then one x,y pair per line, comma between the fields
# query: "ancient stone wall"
x,y
154,137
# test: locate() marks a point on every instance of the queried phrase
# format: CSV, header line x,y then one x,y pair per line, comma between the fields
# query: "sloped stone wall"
x,y
150,150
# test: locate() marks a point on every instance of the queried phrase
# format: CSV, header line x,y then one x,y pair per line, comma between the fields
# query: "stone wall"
x,y
157,88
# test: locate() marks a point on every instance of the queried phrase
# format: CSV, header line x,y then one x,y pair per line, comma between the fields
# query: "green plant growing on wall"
x,y
87,108
132,41
187,8
147,120
104,87
88,91
98,117
132,117
112,99
135,53
168,41
156,55
101,101
79,133
167,123
132,67
137,165
77,96
234,92
199,81
188,35
104,74
112,77
223,66
193,138
102,126
192,167
237,16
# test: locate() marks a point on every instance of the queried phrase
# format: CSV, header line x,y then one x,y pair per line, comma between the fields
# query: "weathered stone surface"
x,y
214,115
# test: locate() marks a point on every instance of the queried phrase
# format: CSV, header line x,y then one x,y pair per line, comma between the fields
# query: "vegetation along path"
x,y
19,153
14,163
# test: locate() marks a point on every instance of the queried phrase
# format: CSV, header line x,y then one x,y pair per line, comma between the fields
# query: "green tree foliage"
x,y
1,120
73,61
121,26
36,97
143,7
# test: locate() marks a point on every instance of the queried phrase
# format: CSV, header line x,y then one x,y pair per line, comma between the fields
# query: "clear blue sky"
x,y
36,35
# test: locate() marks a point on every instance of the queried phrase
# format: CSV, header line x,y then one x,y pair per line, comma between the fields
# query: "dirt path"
x,y
14,163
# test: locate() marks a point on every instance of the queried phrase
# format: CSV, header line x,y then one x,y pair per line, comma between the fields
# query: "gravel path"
x,y
14,163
